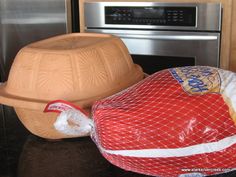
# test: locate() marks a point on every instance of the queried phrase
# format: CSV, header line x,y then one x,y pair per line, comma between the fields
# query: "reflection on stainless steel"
x,y
208,15
193,39
73,158
169,37
201,45
25,21
58,18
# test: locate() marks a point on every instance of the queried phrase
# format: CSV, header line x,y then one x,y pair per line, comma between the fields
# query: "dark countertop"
x,y
25,155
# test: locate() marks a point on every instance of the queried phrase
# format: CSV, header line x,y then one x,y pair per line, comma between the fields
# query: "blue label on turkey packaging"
x,y
197,79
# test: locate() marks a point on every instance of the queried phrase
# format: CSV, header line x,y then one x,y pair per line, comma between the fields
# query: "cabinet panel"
x,y
233,40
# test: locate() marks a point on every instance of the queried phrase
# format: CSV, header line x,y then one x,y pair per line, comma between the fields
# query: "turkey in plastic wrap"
x,y
176,121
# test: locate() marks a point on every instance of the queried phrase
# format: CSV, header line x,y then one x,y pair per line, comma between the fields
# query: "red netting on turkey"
x,y
176,121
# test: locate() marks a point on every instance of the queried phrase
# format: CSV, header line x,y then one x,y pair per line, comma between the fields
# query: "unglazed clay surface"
x,y
74,67
79,67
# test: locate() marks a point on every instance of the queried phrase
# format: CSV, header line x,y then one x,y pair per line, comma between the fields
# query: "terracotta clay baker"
x,y
80,68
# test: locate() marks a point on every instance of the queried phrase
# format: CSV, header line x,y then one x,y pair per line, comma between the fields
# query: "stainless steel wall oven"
x,y
161,35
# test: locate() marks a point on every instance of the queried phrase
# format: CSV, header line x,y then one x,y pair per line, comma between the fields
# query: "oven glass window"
x,y
152,64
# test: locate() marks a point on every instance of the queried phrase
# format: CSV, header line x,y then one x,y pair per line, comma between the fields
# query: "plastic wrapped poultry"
x,y
176,122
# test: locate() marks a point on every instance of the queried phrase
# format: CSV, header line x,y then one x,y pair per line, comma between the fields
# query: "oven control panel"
x,y
164,16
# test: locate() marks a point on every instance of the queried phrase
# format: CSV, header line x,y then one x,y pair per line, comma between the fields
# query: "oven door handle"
x,y
167,37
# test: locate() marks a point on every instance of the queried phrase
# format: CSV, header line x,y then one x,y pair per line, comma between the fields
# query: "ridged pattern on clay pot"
x,y
79,67
74,67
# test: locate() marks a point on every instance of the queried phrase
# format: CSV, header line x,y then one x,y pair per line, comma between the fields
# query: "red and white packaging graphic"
x,y
174,122
59,106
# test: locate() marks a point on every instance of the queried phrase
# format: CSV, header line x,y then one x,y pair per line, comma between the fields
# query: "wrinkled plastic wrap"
x,y
175,122
72,120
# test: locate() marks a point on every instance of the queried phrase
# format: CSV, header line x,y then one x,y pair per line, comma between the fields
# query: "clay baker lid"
x,y
78,67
